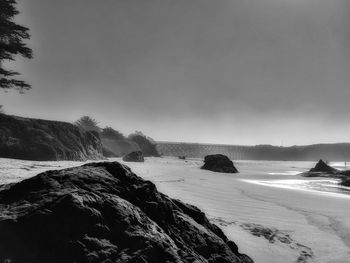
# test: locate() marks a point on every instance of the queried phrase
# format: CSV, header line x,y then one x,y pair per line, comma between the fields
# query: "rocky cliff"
x,y
43,140
102,212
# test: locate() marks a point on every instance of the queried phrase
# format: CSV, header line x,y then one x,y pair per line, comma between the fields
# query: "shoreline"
x,y
328,187
307,218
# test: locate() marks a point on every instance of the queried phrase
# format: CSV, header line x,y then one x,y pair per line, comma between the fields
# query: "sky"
x,y
224,71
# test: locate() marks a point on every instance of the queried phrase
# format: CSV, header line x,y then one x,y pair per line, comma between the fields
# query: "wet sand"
x,y
271,224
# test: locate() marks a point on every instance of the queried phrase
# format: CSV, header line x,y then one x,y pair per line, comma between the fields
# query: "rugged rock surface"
x,y
43,140
345,181
219,163
102,212
322,167
136,156
324,170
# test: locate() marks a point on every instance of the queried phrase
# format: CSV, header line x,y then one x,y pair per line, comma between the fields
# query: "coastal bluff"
x,y
102,212
44,140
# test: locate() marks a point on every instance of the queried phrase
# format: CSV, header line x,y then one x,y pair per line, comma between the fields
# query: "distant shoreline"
x,y
330,152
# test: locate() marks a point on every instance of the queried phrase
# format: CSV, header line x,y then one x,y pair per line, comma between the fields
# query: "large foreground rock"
x,y
136,156
43,140
219,163
102,212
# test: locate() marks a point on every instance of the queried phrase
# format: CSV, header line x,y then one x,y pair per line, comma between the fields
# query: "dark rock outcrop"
x,y
43,140
136,156
102,212
219,163
345,181
322,167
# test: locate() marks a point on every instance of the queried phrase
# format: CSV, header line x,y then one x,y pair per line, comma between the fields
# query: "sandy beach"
x,y
273,214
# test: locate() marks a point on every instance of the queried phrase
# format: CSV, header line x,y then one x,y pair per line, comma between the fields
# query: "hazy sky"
x,y
216,71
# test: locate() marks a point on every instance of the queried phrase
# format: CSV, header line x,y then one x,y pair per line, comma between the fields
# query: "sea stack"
x,y
102,212
219,163
322,167
135,156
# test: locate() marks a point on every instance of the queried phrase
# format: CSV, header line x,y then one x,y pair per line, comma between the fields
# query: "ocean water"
x,y
282,174
286,175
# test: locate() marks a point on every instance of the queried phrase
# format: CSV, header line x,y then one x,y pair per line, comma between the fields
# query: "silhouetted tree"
x,y
11,44
110,133
140,133
2,109
87,123
147,144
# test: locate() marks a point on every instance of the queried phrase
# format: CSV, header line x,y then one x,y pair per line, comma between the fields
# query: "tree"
x,y
146,144
87,123
2,109
110,133
140,133
12,36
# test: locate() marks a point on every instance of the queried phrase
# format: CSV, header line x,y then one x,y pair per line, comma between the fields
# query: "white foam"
x,y
324,187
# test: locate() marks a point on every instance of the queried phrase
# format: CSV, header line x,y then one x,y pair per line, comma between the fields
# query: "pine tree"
x,y
87,123
12,36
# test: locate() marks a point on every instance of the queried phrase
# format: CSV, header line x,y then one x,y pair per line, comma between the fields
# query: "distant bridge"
x,y
196,150
330,152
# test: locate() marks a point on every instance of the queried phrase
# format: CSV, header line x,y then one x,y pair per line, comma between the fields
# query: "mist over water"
x,y
231,72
